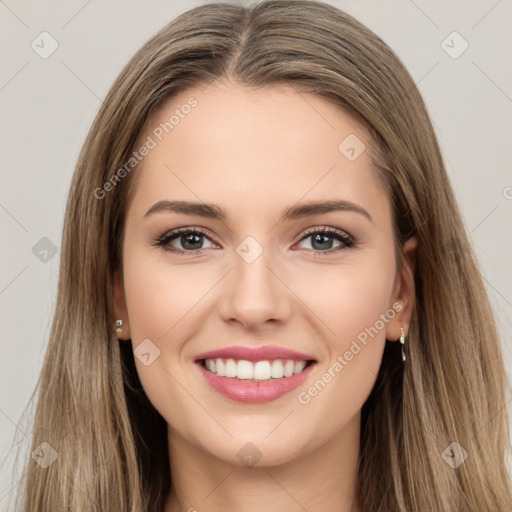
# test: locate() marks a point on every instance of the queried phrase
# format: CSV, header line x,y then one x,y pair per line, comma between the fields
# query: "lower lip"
x,y
254,392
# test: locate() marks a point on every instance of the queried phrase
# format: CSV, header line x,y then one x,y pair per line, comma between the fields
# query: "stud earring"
x,y
119,326
402,341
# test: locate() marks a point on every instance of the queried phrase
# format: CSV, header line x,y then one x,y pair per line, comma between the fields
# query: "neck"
x,y
323,479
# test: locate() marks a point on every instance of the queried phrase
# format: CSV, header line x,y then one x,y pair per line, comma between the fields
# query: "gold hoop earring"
x,y
402,341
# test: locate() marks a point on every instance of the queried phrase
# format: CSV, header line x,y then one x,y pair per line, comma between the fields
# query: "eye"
x,y
190,239
322,239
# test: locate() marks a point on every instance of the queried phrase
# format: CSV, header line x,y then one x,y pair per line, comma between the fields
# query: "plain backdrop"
x,y
48,104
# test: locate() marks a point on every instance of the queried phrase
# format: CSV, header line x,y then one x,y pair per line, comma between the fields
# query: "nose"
x,y
254,295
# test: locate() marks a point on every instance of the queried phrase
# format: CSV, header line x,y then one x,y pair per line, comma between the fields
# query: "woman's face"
x,y
265,269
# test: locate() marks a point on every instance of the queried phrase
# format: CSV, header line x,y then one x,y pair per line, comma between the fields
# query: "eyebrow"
x,y
298,211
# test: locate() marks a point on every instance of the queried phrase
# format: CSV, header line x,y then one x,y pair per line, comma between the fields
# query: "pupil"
x,y
321,239
190,239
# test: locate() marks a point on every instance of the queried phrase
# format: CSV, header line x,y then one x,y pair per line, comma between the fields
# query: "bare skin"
x,y
255,153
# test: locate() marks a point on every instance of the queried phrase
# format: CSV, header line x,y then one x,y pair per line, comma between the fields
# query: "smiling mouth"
x,y
264,370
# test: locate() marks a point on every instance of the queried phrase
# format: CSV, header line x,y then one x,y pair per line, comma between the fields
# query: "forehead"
x,y
239,146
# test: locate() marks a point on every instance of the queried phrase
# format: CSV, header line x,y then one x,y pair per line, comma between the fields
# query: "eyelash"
x,y
164,240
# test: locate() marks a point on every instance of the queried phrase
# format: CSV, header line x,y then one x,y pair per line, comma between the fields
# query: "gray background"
x,y
47,106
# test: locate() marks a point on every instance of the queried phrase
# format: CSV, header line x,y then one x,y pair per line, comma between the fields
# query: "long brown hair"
x,y
111,443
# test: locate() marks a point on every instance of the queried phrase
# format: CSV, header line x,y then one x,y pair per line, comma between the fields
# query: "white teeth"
x,y
262,370
299,366
210,365
288,368
244,369
229,368
259,370
277,369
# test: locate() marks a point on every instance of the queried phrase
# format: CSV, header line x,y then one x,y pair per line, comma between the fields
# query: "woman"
x,y
261,215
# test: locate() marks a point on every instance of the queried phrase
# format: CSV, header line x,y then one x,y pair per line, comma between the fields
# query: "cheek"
x,y
350,298
160,301
158,295
353,303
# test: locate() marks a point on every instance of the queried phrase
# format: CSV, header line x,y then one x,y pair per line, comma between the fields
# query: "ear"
x,y
403,292
120,306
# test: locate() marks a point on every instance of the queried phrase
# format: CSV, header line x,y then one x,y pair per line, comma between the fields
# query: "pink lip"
x,y
254,392
268,352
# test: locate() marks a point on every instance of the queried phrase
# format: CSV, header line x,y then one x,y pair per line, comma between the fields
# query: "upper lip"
x,y
267,352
